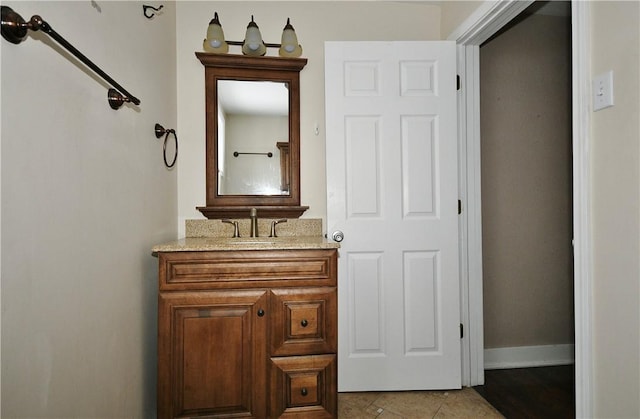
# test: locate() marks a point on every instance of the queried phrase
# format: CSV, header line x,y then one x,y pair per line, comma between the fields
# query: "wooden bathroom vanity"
x,y
247,328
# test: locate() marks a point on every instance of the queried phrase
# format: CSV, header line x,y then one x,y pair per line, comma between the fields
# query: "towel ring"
x,y
160,130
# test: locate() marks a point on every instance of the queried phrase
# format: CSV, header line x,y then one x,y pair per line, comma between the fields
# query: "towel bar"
x,y
14,30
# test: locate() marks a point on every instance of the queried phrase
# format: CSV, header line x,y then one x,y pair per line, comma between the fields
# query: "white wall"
x,y
315,23
85,195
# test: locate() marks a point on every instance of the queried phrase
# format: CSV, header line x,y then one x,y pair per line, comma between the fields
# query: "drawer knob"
x,y
304,323
260,313
304,391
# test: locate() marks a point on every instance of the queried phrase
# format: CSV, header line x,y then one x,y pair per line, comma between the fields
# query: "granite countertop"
x,y
201,244
213,235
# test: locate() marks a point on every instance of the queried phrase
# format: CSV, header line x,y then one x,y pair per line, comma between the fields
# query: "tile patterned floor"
x,y
459,404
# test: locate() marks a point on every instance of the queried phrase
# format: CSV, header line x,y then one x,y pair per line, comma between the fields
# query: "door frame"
x,y
488,18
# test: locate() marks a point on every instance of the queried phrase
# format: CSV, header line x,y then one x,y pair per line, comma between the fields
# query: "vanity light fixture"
x,y
215,41
289,46
253,44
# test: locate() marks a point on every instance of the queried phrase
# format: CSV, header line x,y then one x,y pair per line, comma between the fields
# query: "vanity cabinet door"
x,y
303,321
212,358
304,386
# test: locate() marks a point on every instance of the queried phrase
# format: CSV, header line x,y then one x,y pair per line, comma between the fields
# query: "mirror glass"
x,y
252,137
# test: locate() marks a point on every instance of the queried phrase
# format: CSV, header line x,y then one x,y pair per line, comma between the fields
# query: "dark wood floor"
x,y
529,393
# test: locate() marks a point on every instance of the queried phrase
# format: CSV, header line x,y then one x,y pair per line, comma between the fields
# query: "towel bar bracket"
x,y
14,28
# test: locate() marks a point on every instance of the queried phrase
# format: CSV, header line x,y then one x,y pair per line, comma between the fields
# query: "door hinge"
x,y
461,331
458,82
459,207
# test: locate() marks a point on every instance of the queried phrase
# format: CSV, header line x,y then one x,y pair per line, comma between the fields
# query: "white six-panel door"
x,y
392,190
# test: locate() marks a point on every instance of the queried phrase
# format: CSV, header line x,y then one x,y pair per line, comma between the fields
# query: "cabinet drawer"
x,y
303,321
246,269
304,386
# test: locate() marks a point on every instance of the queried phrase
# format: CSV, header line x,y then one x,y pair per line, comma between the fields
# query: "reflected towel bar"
x,y
237,153
14,30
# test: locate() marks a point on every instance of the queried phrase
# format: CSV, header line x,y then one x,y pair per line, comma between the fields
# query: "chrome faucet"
x,y
253,214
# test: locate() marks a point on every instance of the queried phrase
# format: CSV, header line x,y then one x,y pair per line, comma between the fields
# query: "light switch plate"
x,y
603,91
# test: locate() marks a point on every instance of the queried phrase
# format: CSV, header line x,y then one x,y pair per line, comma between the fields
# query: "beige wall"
x,y
315,23
454,13
525,102
84,197
616,212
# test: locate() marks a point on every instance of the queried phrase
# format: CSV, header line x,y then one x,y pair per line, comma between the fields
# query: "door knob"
x,y
337,236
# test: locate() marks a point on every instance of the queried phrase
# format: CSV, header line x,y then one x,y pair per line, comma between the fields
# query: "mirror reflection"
x,y
253,138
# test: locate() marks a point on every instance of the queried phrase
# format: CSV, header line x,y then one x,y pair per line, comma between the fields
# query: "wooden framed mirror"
x,y
252,136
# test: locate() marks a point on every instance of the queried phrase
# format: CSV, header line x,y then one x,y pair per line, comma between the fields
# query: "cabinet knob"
x,y
260,312
304,391
304,323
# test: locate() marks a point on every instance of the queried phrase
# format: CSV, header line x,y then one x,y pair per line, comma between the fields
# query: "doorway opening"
x,y
526,167
527,205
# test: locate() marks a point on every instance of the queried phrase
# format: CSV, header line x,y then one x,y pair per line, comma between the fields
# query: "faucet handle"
x,y
273,226
236,230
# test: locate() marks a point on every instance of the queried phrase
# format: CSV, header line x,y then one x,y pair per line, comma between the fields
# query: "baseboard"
x,y
528,356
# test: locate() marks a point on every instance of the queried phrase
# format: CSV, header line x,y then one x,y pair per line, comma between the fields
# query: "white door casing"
x,y
482,24
392,189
